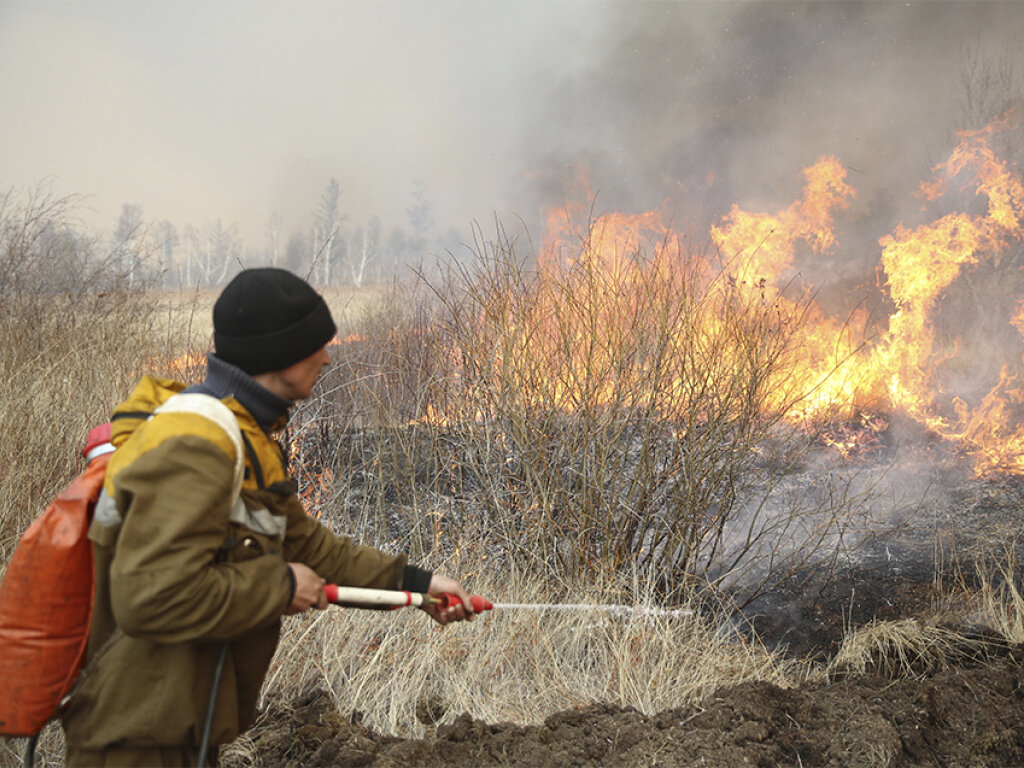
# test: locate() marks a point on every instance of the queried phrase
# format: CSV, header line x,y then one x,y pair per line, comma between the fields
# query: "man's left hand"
x,y
460,611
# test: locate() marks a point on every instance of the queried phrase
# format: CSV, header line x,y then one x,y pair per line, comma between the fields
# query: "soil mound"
x,y
956,717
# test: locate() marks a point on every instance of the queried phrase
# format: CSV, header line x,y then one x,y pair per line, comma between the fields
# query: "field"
x,y
815,591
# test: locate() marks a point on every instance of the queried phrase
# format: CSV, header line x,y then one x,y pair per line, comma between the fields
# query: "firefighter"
x,y
192,580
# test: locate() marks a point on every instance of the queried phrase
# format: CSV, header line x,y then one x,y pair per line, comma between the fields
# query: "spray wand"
x,y
361,597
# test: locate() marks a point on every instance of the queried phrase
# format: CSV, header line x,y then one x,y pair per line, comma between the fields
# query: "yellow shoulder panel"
x,y
150,393
159,430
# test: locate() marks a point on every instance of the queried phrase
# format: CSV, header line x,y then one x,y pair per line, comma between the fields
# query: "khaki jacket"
x,y
182,567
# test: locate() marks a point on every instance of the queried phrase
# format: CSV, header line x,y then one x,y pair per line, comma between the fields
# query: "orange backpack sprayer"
x,y
46,598
46,601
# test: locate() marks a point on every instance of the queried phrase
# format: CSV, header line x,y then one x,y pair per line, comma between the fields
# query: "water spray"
x,y
361,597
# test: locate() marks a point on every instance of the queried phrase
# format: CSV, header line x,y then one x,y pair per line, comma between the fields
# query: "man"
x,y
192,581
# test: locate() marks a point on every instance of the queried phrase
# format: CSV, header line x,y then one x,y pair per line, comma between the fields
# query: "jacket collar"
x,y
226,380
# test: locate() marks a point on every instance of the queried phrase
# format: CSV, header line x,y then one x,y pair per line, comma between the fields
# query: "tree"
x,y
128,234
191,252
328,219
365,250
168,242
420,217
295,253
274,236
398,248
222,249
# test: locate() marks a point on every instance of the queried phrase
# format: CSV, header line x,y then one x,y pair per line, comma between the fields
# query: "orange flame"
x,y
900,371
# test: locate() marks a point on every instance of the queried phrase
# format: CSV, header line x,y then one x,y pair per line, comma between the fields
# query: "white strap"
x,y
99,450
213,409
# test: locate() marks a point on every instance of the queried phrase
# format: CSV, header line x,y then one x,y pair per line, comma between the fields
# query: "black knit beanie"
x,y
267,319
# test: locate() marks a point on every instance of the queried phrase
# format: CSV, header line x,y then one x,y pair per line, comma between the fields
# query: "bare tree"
x,y
128,234
295,252
222,248
42,248
420,217
397,251
191,252
364,251
274,236
328,220
169,240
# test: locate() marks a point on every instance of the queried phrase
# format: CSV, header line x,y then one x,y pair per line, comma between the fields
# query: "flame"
x,y
920,265
314,492
188,366
833,371
315,482
563,333
768,241
761,247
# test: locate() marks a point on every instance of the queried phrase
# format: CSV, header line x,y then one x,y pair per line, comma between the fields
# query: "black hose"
x,y
30,751
204,745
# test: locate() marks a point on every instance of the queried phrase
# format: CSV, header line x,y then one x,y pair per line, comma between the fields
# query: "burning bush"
x,y
620,411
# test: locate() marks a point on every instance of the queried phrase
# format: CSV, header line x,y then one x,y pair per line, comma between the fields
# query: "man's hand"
x,y
309,589
440,585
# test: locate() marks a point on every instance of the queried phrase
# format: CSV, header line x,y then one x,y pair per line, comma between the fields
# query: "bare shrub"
x,y
583,419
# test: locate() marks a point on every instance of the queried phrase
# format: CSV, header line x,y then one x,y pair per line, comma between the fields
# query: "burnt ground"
x,y
969,713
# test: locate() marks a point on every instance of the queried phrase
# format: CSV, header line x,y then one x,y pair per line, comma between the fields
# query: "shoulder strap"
x,y
214,410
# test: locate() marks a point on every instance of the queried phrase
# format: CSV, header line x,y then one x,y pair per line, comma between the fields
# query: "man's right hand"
x,y
309,590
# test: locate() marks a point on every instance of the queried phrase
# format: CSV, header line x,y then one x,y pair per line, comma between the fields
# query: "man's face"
x,y
296,381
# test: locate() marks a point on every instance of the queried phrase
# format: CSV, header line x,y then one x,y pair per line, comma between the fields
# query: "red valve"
x,y
480,603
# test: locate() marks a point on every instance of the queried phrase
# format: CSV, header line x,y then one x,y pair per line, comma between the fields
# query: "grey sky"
x,y
202,110
233,110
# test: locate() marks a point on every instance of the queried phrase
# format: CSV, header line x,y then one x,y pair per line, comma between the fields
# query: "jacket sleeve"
x,y
166,582
337,558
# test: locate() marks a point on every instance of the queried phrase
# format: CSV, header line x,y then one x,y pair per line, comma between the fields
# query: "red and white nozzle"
x,y
395,598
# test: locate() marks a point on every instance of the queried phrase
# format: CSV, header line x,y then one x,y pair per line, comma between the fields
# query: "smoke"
x,y
236,111
706,104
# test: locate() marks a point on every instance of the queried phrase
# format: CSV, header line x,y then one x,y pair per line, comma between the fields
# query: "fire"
x,y
920,265
834,370
315,482
765,243
315,492
761,248
188,366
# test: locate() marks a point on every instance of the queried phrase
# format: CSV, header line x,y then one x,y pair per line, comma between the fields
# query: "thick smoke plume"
x,y
706,104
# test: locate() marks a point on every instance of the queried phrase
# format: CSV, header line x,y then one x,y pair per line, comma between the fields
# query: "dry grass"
x,y
974,620
406,675
896,649
994,597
